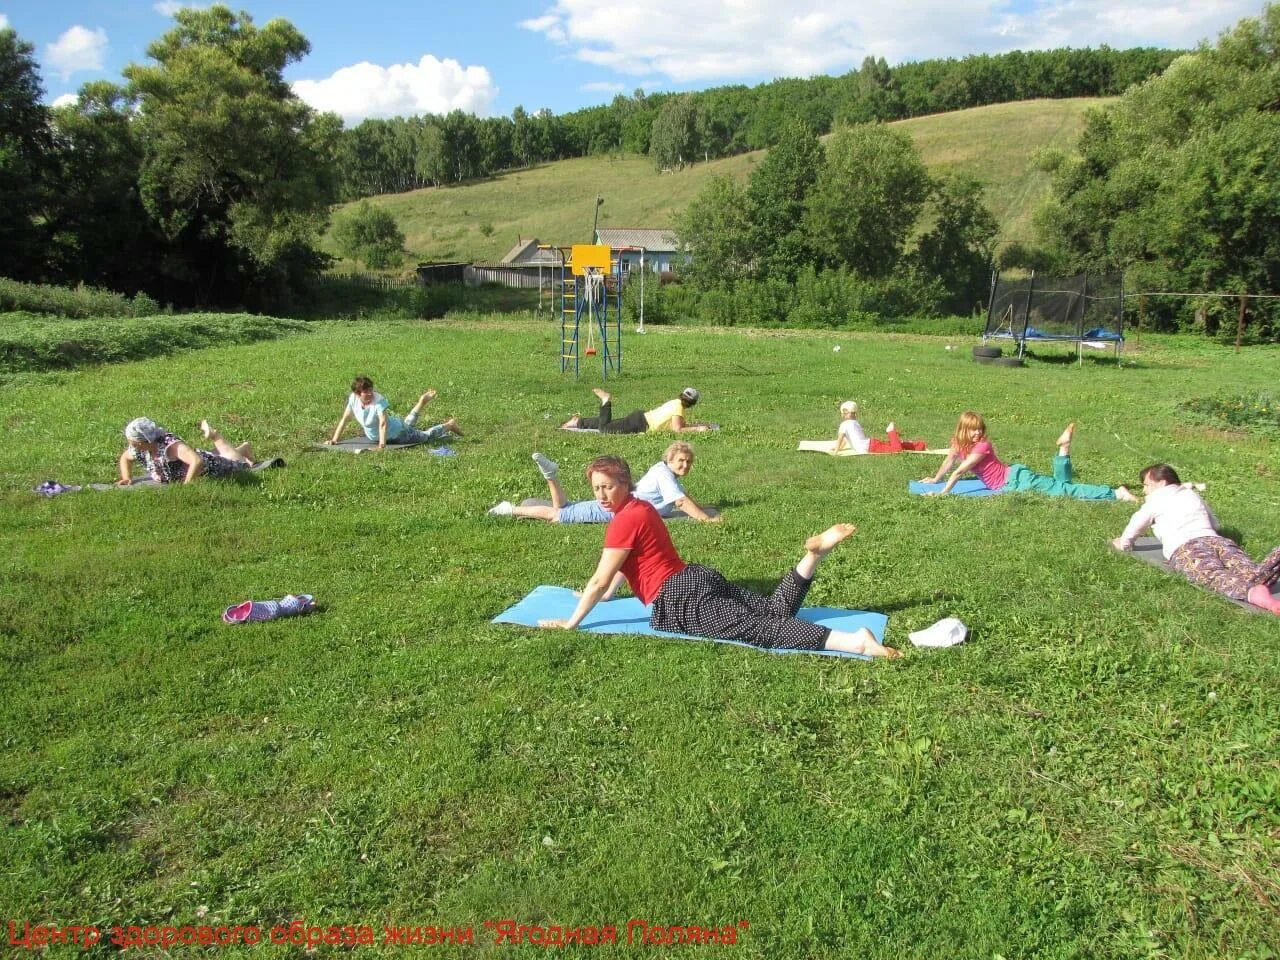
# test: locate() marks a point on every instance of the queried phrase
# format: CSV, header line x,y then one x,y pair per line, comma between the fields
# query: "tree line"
x,y
405,153
1177,184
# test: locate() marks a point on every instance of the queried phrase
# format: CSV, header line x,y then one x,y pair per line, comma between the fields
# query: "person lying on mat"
x,y
1189,538
697,600
972,451
373,413
851,436
660,486
168,459
669,416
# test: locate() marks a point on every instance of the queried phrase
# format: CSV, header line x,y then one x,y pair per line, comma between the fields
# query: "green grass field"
x,y
1093,775
555,201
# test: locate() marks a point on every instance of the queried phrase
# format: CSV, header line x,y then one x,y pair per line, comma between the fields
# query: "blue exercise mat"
x,y
629,615
963,488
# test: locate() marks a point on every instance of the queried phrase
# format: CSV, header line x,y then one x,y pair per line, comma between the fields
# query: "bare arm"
x,y
952,456
126,467
382,429
842,441
967,464
342,423
611,561
690,506
679,426
618,581
195,465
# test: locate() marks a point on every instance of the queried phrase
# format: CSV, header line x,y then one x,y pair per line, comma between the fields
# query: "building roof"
x,y
651,240
527,252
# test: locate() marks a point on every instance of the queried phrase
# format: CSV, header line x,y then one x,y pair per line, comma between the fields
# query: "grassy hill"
x,y
554,202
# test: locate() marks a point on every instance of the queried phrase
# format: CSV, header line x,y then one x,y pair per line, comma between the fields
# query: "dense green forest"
x,y
390,156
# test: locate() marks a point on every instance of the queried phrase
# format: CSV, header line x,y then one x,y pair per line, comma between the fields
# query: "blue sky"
x,y
393,57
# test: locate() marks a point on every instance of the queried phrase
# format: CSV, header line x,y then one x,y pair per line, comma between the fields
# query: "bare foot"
x,y
427,397
1122,493
452,426
891,427
823,543
604,397
1260,596
205,430
1065,439
571,422
861,641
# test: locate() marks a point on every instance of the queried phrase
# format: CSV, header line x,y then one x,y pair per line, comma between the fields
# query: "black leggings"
x,y
633,422
699,601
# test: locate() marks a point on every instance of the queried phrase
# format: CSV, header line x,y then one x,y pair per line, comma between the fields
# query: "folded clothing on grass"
x,y
258,611
1148,550
963,488
629,615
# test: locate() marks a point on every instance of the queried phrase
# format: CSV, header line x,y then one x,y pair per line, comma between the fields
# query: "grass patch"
x,y
34,343
1093,775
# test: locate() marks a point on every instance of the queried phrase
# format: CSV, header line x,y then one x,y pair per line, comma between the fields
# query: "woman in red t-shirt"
x,y
697,600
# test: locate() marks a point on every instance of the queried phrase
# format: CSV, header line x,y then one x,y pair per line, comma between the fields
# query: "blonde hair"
x,y
969,421
678,446
849,406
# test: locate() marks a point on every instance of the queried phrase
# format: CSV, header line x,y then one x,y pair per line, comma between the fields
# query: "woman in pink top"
x,y
1188,534
971,451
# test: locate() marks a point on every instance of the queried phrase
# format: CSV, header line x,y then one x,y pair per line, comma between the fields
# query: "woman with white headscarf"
x,y
168,459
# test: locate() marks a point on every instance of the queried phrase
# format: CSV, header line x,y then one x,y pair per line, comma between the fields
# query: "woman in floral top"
x,y
168,459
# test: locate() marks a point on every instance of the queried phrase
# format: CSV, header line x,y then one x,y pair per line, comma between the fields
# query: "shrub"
x,y
1239,411
72,302
369,235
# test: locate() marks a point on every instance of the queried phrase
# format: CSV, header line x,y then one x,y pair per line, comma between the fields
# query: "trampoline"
x,y
1085,310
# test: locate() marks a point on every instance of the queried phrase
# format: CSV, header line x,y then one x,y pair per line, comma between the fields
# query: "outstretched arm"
x,y
690,506
679,426
611,561
967,464
342,423
952,456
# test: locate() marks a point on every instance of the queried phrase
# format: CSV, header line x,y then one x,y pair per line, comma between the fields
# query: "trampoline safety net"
x,y
1087,308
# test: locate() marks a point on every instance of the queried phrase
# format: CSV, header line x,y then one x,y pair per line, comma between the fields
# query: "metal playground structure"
x,y
590,294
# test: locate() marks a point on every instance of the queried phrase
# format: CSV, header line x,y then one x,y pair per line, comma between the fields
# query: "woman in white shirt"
x,y
1189,538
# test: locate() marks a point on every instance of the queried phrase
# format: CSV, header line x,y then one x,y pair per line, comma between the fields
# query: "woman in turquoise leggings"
x,y
971,451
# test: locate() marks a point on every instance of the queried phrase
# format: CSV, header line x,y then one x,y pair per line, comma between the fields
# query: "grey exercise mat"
x,y
678,515
361,445
272,464
1148,550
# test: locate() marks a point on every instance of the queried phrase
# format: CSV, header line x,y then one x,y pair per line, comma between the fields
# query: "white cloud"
x,y
4,21
403,89
691,41
77,49
167,8
603,86
66,100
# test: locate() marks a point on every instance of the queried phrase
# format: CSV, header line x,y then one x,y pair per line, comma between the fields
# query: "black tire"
x,y
1008,361
988,352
